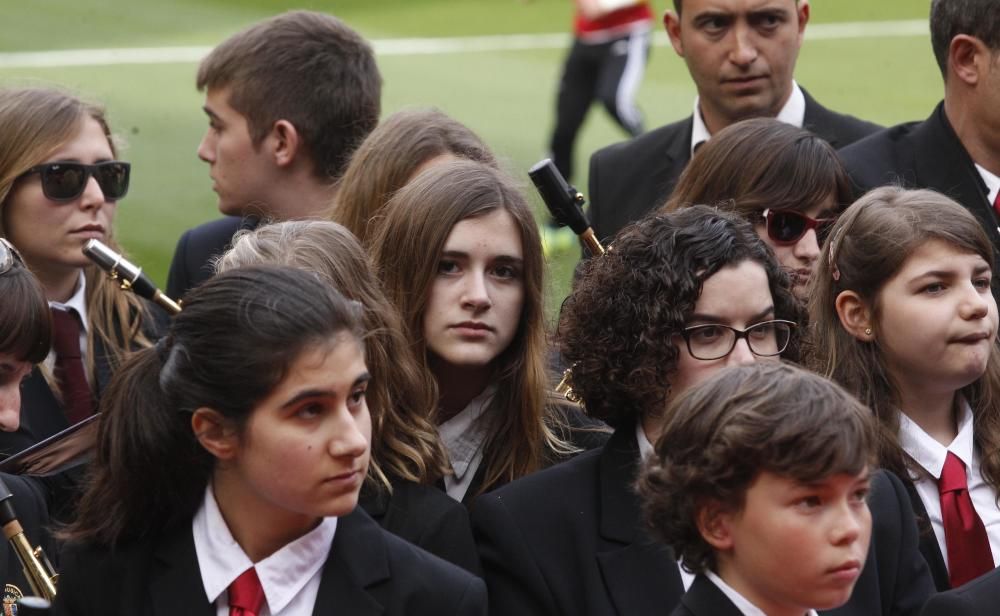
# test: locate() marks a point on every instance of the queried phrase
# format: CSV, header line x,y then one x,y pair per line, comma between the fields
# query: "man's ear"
x,y
803,14
672,24
965,55
215,433
715,525
285,142
855,316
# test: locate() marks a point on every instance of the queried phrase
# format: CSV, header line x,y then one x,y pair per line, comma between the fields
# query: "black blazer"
x,y
426,517
197,247
924,154
569,541
369,572
980,596
929,547
705,599
631,178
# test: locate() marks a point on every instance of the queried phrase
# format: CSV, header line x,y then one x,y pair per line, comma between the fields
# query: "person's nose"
x,y
744,46
349,440
741,354
10,406
206,149
475,293
807,248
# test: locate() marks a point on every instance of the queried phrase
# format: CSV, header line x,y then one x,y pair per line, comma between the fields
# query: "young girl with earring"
x,y
60,182
903,317
459,254
228,468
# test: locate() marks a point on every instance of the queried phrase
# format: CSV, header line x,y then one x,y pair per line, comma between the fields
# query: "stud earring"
x,y
868,331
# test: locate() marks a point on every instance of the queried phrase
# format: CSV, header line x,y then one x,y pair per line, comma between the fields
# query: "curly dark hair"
x,y
745,420
617,329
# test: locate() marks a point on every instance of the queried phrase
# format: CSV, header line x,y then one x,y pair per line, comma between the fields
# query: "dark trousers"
x,y
607,72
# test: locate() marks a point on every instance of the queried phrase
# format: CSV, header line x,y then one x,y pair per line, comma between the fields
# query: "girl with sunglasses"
x,y
784,180
903,317
407,455
459,254
59,187
228,468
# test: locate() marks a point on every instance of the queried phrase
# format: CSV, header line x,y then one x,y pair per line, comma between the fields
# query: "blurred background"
x,y
870,59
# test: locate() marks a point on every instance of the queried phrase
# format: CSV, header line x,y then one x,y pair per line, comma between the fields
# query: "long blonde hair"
x,y
33,123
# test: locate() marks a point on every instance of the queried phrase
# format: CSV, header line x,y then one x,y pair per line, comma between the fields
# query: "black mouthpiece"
x,y
564,202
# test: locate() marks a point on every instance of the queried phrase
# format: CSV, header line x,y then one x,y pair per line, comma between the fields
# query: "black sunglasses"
x,y
786,227
65,181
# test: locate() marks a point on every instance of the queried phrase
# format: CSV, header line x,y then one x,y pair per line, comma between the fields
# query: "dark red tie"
x,y
78,400
969,554
246,595
996,204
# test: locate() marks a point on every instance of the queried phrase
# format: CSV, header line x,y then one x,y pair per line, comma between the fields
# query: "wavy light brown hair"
x,y
868,246
33,123
405,443
618,328
407,244
763,163
389,157
723,433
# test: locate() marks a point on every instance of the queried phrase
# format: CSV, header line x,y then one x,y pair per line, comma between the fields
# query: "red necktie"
x,y
969,553
996,204
78,400
246,595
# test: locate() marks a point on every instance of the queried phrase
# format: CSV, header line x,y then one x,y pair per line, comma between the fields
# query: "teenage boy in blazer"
x,y
741,69
980,596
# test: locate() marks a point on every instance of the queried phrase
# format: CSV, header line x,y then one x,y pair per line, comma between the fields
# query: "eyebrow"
x,y
982,268
711,318
458,254
322,393
211,114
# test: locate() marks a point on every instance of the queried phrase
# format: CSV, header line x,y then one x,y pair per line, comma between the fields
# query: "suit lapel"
x,y
676,157
929,547
641,576
175,585
706,599
357,561
817,120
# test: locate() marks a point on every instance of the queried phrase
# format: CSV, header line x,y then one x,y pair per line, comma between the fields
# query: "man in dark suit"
x,y
741,55
980,596
955,151
287,100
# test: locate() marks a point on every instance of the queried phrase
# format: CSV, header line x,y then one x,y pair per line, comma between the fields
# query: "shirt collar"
x,y
992,183
930,454
282,574
77,301
464,434
645,447
793,112
742,603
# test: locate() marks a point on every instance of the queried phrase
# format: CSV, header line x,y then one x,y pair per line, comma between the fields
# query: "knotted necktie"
x,y
996,204
78,400
968,546
246,595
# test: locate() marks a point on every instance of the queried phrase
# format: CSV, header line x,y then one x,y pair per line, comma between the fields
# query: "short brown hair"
x,y
389,156
305,67
720,435
763,163
25,325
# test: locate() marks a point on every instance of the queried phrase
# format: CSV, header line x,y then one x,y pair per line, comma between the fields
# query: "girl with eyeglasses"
x,y
229,464
679,297
904,318
60,182
784,180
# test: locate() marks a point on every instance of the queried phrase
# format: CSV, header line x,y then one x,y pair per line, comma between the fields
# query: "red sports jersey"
x,y
615,21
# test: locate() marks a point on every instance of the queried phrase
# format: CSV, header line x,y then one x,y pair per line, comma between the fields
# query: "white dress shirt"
x,y
742,603
290,577
78,303
646,450
463,436
793,112
992,183
930,456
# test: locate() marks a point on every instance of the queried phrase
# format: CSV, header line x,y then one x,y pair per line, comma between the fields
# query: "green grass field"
x,y
507,97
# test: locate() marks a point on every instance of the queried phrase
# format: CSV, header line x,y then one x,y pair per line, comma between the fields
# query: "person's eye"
x,y
809,503
761,331
982,284
310,410
933,288
506,272
769,22
861,495
709,333
714,25
357,397
447,266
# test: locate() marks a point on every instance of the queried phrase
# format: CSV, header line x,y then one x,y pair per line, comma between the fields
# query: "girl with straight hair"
x,y
60,182
903,317
228,468
784,180
401,146
459,255
407,455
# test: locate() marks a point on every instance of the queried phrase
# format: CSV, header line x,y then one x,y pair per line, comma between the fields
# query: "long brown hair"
x,y
405,443
33,123
389,156
867,247
408,240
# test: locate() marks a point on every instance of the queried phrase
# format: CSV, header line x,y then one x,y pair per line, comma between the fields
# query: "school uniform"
x,y
346,565
197,249
980,596
569,540
929,458
709,595
29,502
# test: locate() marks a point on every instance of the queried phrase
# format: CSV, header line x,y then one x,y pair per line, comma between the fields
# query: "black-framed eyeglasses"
x,y
766,339
65,181
786,227
9,256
